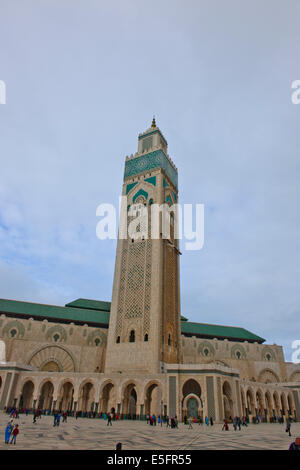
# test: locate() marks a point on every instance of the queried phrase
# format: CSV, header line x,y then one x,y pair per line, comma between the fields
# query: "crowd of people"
x,y
12,430
170,422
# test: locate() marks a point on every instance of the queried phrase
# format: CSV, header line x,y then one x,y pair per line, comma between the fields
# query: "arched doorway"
x,y
260,404
86,397
227,401
153,400
27,395
46,396
192,407
132,403
250,402
129,401
276,404
108,399
191,402
65,398
269,408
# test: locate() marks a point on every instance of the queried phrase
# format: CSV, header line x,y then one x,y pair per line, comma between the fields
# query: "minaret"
x,y
144,328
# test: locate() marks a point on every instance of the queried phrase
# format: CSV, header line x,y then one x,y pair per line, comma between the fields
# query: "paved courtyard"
x,y
94,434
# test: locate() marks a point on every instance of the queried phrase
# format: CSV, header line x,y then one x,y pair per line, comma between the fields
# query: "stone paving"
x,y
94,434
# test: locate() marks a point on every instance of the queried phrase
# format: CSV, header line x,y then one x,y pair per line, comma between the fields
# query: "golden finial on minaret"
x,y
153,122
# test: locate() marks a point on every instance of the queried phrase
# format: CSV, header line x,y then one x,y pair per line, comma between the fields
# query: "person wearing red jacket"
x,y
14,434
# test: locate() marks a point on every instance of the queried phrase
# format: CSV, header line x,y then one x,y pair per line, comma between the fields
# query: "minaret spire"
x,y
153,122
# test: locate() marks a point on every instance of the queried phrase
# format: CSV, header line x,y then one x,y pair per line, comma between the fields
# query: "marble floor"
x,y
94,434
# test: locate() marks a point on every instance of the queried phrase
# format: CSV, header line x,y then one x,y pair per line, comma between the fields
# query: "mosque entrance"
x,y
192,407
132,403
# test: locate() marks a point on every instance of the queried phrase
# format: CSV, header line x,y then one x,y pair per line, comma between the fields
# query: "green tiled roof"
x,y
96,313
90,304
219,331
54,313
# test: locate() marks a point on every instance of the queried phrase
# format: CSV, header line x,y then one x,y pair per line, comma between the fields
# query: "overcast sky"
x,y
83,78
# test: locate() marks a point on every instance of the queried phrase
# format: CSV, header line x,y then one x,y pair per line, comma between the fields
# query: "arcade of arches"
x,y
137,398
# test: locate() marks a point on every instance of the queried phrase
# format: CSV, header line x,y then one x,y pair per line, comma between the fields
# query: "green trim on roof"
x,y
97,312
90,304
51,312
219,331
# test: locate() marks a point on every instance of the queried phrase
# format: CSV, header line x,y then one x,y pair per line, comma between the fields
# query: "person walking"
x,y
235,423
225,425
109,423
239,423
211,421
206,421
167,421
190,423
14,434
288,426
8,430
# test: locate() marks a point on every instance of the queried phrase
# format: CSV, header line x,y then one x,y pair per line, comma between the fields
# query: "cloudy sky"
x,y
83,78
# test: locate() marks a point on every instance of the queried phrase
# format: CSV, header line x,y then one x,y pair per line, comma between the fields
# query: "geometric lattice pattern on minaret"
x,y
135,286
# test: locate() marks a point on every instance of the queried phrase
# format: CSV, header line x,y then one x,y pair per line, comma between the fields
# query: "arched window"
x,y
118,339
132,337
169,340
146,337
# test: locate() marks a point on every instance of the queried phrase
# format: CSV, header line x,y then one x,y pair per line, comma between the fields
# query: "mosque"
x,y
137,354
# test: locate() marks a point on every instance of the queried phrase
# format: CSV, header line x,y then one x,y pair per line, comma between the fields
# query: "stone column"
x,y
18,401
141,411
210,398
53,405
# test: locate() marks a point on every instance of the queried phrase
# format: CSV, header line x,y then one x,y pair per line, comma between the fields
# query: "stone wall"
x,y
64,347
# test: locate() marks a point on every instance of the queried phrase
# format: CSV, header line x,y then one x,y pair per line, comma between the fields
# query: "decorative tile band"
x,y
130,186
156,159
151,180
